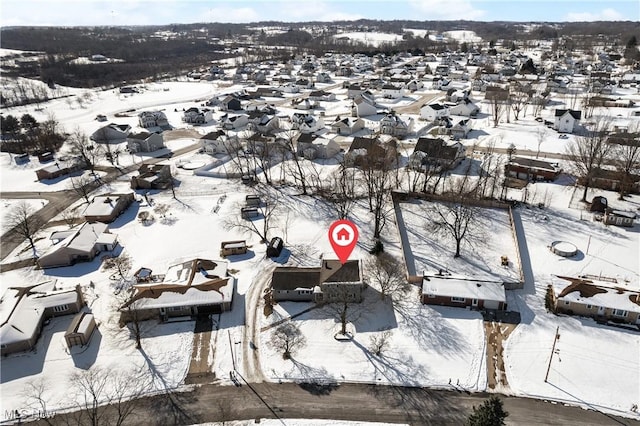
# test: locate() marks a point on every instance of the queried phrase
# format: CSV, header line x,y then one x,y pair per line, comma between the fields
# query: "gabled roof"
x,y
575,114
458,286
436,148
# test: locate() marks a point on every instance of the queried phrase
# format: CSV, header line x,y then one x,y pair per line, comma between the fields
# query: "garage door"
x,y
491,304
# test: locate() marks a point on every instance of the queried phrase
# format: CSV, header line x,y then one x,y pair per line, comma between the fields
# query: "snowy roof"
x,y
596,293
190,283
452,286
27,306
103,205
83,239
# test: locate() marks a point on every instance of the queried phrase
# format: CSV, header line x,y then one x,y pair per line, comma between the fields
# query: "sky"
x,y
159,12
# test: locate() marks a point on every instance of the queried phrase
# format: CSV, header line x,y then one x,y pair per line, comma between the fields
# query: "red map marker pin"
x,y
343,236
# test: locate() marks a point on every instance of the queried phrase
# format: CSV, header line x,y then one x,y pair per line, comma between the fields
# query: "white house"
x,y
465,108
234,122
347,125
392,124
219,143
464,292
312,147
145,142
433,112
111,133
194,116
364,105
392,92
306,123
148,119
566,120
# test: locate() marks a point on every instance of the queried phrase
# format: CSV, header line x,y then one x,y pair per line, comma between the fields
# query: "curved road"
x,y
415,406
60,200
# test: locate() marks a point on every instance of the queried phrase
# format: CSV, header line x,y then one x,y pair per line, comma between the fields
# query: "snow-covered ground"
x,y
300,422
7,205
429,346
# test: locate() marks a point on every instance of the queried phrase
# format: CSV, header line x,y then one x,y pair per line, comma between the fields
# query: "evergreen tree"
x,y
490,413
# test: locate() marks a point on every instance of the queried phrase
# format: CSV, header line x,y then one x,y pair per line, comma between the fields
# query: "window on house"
x,y
60,308
566,302
176,308
458,299
589,306
619,313
431,296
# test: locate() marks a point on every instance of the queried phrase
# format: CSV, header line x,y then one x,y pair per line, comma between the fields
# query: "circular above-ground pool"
x,y
192,165
564,248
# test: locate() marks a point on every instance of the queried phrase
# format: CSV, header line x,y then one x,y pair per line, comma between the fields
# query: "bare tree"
x,y
588,152
92,386
107,395
519,100
82,146
626,160
386,274
118,264
24,221
83,185
124,301
261,226
454,220
341,192
378,343
541,135
288,338
35,394
297,172
70,217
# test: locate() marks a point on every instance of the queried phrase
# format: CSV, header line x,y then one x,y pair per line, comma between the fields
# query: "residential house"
x,y
347,125
152,176
463,292
148,119
59,168
106,208
566,120
234,122
436,155
364,105
79,245
330,282
27,308
392,124
596,298
372,152
190,288
321,95
230,103
465,108
354,90
391,91
145,142
311,147
434,112
323,77
111,133
532,169
219,142
264,123
306,123
194,115
612,180
460,128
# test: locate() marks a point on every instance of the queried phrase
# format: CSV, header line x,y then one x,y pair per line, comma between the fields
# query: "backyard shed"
x,y
80,330
228,248
275,247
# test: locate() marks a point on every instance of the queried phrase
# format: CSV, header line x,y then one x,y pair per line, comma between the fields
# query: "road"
x,y
60,200
355,402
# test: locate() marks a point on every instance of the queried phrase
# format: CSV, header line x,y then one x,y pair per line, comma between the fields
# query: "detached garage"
x,y
80,330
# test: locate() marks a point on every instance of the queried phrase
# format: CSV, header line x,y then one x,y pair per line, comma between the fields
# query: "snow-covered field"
x,y
595,366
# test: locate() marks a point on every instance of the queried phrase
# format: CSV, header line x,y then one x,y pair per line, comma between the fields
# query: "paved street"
x,y
415,406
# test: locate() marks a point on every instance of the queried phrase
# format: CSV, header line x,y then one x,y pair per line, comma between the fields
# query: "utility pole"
x,y
553,349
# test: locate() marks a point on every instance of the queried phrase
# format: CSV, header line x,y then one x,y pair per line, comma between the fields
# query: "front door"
x,y
474,302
